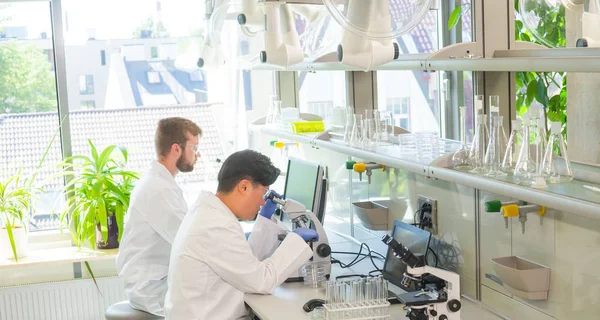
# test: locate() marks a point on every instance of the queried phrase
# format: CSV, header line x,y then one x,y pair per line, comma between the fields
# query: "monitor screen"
x,y
302,182
413,238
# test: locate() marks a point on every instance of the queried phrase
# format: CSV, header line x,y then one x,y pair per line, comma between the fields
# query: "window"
x,y
400,109
410,95
102,57
86,84
88,104
146,80
321,91
28,107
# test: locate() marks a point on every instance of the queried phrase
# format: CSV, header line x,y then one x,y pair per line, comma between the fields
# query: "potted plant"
x,y
16,196
97,196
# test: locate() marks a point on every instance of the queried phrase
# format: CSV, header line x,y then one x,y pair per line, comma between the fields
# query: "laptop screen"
x,y
413,238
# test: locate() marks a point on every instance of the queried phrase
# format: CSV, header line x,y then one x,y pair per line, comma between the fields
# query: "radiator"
x,y
65,300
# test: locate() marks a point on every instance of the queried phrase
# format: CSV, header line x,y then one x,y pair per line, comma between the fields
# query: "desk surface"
x,y
287,300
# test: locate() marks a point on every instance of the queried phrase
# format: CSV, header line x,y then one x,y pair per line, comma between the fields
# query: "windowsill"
x,y
59,255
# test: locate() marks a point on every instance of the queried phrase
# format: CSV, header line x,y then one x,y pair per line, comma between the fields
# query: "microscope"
x,y
439,301
301,218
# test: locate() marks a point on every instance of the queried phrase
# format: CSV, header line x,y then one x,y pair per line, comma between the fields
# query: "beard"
x,y
183,165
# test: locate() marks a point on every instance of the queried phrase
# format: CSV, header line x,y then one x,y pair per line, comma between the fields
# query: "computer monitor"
x,y
304,183
413,238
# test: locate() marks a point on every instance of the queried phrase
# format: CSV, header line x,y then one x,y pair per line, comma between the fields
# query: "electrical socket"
x,y
422,201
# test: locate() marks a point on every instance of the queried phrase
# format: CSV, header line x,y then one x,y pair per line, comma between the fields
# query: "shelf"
x,y
576,197
59,255
515,60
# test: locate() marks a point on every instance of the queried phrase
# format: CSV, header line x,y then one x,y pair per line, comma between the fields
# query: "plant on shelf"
x,y
97,196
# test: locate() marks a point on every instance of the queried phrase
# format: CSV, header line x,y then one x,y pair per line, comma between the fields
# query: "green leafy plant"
x,y
547,88
99,188
17,198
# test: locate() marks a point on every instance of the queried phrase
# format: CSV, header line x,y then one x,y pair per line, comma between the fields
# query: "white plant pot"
x,y
21,243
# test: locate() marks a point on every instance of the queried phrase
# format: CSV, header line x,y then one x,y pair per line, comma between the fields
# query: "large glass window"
x,y
412,97
28,102
144,75
321,91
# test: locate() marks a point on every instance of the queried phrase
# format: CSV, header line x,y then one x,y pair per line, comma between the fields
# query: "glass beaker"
x,y
511,154
477,152
556,166
460,159
525,167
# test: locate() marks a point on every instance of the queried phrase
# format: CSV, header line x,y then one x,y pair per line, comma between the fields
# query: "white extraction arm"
x,y
362,52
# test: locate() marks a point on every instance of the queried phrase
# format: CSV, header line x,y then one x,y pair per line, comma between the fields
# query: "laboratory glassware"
x,y
349,124
525,167
357,131
477,152
513,147
460,159
554,169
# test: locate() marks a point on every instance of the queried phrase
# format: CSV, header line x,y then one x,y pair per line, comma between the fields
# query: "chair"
x,y
124,311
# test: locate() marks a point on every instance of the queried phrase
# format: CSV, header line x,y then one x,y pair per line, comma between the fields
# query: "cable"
x,y
435,255
359,254
379,255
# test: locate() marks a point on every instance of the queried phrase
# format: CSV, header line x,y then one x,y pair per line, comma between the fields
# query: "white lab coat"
x,y
212,264
156,210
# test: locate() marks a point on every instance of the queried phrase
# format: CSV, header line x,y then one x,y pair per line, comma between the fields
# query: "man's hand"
x,y
307,234
269,208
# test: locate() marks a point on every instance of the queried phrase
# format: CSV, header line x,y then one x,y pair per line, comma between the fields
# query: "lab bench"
x,y
287,300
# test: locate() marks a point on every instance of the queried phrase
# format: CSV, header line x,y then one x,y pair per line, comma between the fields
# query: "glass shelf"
x,y
576,197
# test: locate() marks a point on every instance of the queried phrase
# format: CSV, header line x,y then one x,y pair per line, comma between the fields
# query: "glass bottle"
x,y
460,159
556,166
525,167
511,154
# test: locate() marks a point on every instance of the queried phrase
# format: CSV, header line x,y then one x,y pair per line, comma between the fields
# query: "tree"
x,y
149,29
26,82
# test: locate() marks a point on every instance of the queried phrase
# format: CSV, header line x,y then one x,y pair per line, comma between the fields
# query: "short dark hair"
x,y
173,130
246,164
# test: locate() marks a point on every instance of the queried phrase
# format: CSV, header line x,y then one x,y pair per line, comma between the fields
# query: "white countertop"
x,y
287,300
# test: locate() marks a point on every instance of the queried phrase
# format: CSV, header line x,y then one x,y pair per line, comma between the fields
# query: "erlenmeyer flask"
x,y
525,167
537,127
511,155
349,124
556,166
477,153
369,134
356,135
493,155
460,159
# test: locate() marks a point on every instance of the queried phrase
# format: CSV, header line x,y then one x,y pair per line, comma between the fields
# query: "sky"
x,y
112,19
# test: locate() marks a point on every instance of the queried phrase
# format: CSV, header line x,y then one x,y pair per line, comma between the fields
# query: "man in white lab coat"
x,y
156,210
212,264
